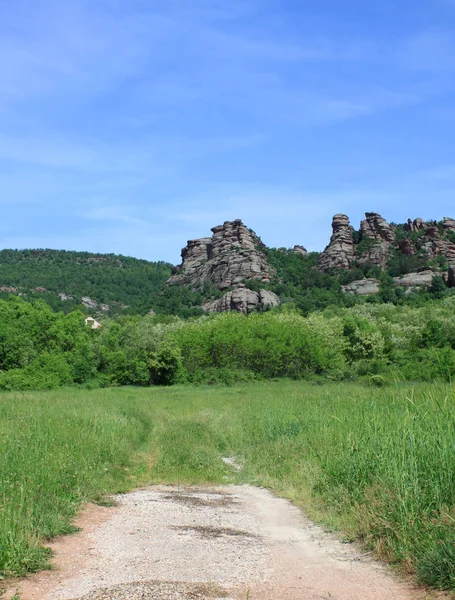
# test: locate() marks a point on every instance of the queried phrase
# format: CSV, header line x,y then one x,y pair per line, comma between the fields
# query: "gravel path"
x,y
233,542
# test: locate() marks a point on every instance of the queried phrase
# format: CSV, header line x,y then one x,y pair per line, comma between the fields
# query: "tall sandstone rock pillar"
x,y
339,254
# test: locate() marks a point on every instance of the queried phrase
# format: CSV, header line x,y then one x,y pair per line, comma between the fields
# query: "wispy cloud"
x,y
138,116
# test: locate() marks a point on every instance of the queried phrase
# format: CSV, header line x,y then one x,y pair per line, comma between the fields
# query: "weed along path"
x,y
234,542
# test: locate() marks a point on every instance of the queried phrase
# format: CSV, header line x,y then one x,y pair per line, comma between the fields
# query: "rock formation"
x,y
233,255
448,224
420,279
381,234
416,225
339,254
437,245
243,300
375,227
377,239
362,287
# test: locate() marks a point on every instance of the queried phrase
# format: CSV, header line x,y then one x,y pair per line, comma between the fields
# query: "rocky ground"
x,y
233,542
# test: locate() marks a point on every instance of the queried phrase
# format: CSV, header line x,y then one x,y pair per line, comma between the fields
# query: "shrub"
x,y
165,365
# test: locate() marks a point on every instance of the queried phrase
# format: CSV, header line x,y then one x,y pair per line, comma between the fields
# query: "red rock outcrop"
x,y
339,254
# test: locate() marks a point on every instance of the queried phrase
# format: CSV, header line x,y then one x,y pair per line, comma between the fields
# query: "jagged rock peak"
x,y
234,234
339,254
376,227
416,225
233,255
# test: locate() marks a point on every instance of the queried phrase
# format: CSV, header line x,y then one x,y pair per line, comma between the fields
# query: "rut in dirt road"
x,y
233,542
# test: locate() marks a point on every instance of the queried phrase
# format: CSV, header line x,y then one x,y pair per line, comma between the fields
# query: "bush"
x,y
165,365
223,376
47,372
269,345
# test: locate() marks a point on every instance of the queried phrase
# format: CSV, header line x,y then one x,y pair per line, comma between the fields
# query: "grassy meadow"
x,y
376,463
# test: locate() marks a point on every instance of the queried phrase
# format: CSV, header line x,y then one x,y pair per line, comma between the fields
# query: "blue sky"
x,y
130,127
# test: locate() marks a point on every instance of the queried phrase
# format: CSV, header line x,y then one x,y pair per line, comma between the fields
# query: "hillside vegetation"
x,y
43,349
121,282
377,463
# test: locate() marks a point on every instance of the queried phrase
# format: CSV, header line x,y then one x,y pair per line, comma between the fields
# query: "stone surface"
x,y
448,224
362,287
243,300
339,254
300,250
432,232
421,279
376,228
89,303
233,255
417,224
406,247
438,247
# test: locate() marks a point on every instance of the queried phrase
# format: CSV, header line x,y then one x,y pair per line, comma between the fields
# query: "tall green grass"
x,y
379,464
59,450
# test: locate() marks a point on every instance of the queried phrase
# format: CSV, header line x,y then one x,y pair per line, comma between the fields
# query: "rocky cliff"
x,y
233,255
376,240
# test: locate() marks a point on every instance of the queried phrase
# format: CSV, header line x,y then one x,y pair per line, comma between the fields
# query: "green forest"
x,y
378,343
121,285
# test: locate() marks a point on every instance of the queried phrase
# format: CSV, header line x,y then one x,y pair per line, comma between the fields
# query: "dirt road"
x,y
234,542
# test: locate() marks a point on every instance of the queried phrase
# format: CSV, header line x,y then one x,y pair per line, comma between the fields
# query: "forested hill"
x,y
102,282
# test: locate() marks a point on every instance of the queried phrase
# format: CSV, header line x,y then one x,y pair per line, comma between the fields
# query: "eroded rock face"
x,y
243,300
435,246
362,287
376,229
421,279
405,246
417,224
300,250
233,254
448,224
339,254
